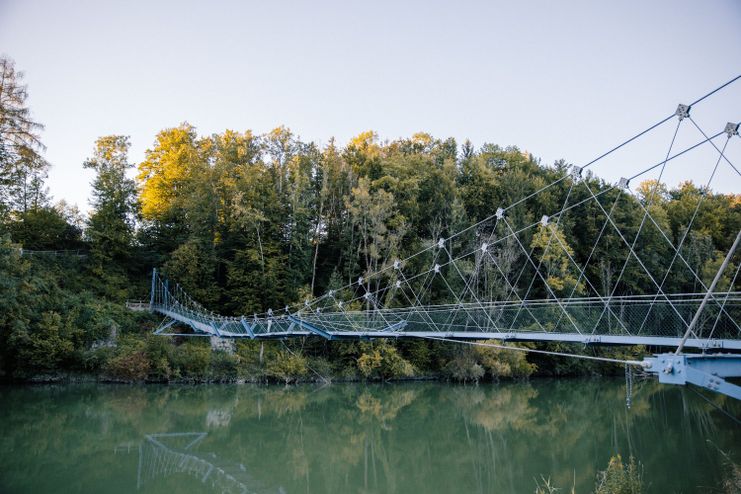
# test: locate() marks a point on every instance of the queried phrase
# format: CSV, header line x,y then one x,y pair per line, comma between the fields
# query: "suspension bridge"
x,y
494,285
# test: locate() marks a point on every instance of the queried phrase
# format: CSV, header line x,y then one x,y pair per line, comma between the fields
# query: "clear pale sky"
x,y
561,79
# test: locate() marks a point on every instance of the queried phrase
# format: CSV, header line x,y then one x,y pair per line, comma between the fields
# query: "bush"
x,y
500,362
619,478
129,365
288,367
381,360
223,365
192,360
463,367
158,350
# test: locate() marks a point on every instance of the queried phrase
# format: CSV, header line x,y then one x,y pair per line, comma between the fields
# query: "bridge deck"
x,y
502,321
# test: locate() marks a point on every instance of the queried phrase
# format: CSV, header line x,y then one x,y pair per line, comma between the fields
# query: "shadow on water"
x,y
416,437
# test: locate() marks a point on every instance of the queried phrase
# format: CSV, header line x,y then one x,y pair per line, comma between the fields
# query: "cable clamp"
x,y
731,129
683,111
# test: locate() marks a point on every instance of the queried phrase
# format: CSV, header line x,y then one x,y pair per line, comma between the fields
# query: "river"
x,y
346,438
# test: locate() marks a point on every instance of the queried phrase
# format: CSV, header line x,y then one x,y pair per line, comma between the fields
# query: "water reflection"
x,y
425,437
163,455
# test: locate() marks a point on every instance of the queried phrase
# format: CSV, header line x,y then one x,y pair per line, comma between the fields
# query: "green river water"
x,y
347,438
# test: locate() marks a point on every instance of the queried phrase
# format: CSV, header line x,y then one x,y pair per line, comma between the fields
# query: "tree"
x,y
22,169
167,169
111,226
553,252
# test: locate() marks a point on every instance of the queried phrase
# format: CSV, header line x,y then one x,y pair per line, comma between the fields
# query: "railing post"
x,y
151,293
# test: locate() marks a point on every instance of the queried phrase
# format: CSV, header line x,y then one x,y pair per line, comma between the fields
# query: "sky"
x,y
566,79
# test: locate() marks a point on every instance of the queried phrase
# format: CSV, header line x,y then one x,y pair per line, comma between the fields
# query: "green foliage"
x,y
130,364
111,225
500,362
286,366
380,360
191,360
246,223
619,478
464,367
224,365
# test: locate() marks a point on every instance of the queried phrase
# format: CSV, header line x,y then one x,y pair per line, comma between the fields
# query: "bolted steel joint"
x,y
500,213
731,129
683,111
623,183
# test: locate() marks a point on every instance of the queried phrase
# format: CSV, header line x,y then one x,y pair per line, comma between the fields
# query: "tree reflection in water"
x,y
416,437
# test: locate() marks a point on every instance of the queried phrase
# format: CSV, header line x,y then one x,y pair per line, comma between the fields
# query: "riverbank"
x,y
146,358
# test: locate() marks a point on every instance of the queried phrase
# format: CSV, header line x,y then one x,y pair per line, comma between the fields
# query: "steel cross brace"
x,y
707,371
311,327
165,326
247,328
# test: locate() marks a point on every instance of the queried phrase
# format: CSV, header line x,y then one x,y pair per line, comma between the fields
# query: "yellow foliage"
x,y
173,161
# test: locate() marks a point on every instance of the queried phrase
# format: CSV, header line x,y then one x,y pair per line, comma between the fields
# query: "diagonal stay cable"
x,y
534,350
519,299
686,232
550,290
540,261
591,254
682,258
715,146
586,278
467,287
622,237
650,200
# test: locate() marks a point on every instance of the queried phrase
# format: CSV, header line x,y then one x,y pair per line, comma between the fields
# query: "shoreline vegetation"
x,y
246,222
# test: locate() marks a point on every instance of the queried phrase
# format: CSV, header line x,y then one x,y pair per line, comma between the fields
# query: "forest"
x,y
246,222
